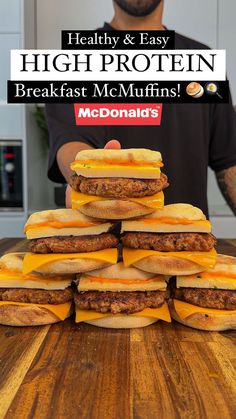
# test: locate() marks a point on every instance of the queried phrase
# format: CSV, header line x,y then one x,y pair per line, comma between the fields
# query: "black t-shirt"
x,y
191,137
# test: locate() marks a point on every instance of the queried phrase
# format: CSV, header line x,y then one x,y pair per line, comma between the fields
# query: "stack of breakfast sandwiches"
x,y
119,258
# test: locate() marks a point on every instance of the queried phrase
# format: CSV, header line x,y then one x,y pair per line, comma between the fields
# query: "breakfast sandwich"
x,y
207,300
175,240
32,300
65,241
117,184
119,297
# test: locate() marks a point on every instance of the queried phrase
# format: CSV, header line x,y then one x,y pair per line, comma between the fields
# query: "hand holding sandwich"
x,y
112,144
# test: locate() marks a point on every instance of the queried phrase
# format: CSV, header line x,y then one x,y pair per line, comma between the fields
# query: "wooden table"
x,y
162,371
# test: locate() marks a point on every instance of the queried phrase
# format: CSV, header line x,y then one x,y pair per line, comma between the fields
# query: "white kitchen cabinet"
x,y
12,117
224,227
195,19
12,225
216,201
210,22
56,15
10,16
227,38
184,16
17,30
8,41
11,125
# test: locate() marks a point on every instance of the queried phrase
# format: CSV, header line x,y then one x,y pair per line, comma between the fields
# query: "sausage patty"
x,y
169,242
73,244
23,295
210,298
120,302
118,188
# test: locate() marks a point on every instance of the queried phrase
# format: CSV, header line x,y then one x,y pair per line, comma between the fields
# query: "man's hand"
x,y
227,183
112,144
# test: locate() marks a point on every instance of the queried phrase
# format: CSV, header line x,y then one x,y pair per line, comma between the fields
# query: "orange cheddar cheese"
x,y
185,310
33,261
205,259
122,281
223,275
161,313
58,224
15,279
5,273
112,162
176,221
154,201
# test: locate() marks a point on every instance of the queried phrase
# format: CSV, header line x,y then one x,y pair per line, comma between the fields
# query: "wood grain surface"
x,y
162,371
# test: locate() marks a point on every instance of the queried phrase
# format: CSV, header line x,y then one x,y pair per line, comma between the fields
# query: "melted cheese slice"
x,y
101,169
60,310
60,225
185,310
204,259
165,225
218,274
161,313
206,280
106,162
36,233
88,282
13,279
155,201
33,261
54,229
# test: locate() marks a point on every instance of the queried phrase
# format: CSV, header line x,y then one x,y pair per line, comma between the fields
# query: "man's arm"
x,y
227,183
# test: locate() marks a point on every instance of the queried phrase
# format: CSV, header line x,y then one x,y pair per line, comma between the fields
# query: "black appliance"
x,y
11,175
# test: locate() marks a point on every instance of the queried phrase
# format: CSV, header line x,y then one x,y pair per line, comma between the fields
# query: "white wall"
x,y
216,28
227,38
11,116
195,19
56,15
17,26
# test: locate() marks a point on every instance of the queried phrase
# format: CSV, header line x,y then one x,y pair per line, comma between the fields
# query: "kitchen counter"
x,y
162,371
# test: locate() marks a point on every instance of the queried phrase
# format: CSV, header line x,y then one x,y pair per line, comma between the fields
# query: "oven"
x,y
11,175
